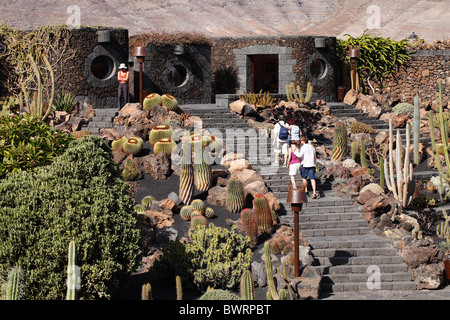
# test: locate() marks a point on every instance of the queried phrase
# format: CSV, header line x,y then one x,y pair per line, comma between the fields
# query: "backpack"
x,y
283,134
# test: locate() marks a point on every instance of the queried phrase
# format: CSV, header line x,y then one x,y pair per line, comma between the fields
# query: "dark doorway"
x,y
265,73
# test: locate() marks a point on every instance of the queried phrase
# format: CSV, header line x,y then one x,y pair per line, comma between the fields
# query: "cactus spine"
x,y
339,142
234,200
247,287
186,186
72,275
263,212
404,188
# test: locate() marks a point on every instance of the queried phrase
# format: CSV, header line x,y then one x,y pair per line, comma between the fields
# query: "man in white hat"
x,y
122,77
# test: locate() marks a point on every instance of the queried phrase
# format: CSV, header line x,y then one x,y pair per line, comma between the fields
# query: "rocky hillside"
x,y
430,19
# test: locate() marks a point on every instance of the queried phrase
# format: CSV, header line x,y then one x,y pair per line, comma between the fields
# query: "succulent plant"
x,y
159,132
169,102
151,100
186,186
118,143
132,146
235,197
339,142
198,220
185,212
247,286
147,201
249,219
203,172
198,204
164,145
262,209
209,213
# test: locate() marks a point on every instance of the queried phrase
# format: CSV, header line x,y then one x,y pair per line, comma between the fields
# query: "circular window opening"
x,y
102,67
317,68
178,75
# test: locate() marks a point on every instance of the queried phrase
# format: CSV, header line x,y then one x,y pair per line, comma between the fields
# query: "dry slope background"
x,y
430,19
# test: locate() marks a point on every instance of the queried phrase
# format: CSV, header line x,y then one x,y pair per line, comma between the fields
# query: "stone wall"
x,y
231,65
98,50
185,74
420,77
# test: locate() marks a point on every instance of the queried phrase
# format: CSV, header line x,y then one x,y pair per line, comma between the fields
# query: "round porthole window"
x,y
102,67
318,68
178,75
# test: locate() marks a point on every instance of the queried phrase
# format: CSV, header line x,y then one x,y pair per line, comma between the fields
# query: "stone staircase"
x,y
344,247
103,119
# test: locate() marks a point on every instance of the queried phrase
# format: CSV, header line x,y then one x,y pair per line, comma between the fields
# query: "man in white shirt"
x,y
280,142
307,156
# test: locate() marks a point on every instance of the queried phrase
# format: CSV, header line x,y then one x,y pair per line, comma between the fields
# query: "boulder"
x,y
238,106
430,276
422,252
216,196
157,166
307,286
351,97
369,104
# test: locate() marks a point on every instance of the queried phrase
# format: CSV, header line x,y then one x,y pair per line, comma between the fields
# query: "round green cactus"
x,y
198,204
169,102
160,132
185,213
209,213
151,100
118,143
132,146
198,220
147,201
164,145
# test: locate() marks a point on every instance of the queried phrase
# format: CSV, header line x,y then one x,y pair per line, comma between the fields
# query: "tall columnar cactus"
x,y
382,172
247,287
443,228
263,212
235,197
339,142
417,129
72,272
186,186
249,219
179,288
295,93
12,288
363,154
203,171
272,294
403,187
443,127
355,151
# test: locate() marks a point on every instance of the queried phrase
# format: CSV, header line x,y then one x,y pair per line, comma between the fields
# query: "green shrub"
x,y
361,127
27,142
218,256
219,294
404,108
80,196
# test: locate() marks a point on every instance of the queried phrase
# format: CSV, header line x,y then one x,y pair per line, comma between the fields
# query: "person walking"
x,y
280,141
307,156
294,131
122,77
294,163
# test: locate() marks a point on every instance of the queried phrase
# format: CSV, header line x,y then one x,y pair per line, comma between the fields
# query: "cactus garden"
x,y
161,198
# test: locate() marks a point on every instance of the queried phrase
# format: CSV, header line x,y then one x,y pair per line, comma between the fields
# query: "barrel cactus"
x,y
159,132
132,146
164,145
203,171
250,221
339,142
235,197
198,204
209,213
185,212
262,209
118,143
169,102
186,186
198,220
151,100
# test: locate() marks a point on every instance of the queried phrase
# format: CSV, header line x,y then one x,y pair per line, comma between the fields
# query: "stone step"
x,y
359,260
328,232
354,252
362,286
332,225
349,242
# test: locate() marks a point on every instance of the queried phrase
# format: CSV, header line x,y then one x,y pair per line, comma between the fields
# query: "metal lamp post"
x,y
296,197
354,54
140,53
